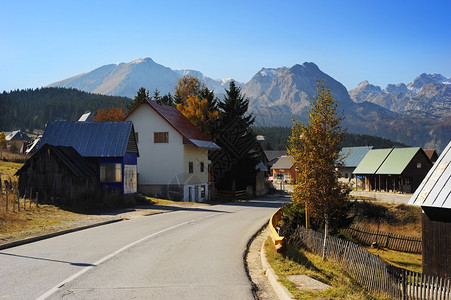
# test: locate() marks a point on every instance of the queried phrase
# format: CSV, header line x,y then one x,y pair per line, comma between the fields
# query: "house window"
x,y
161,137
201,166
111,172
419,165
190,167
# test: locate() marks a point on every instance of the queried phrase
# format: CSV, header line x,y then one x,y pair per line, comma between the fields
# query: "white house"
x,y
173,159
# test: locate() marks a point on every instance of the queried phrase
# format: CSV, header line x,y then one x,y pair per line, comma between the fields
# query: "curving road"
x,y
188,254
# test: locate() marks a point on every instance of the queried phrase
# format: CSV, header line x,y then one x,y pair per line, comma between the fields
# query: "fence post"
x,y
7,198
403,285
18,200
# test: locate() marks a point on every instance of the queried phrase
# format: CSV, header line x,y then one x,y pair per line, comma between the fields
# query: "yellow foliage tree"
x,y
199,113
187,86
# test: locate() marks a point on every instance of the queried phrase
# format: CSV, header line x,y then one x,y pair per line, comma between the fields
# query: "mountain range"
x,y
416,114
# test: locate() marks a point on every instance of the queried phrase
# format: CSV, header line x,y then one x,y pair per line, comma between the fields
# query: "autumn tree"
x,y
199,113
315,151
196,102
113,114
187,85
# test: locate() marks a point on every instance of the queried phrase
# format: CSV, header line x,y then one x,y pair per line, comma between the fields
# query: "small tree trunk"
x,y
326,230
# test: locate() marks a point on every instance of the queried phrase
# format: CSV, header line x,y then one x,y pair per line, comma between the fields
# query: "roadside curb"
x,y
50,235
281,291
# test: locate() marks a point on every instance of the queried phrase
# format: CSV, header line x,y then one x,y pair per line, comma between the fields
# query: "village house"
x,y
173,160
434,197
283,170
110,148
17,141
393,169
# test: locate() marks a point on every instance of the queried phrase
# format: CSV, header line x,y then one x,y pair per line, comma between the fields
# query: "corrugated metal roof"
x,y
285,162
372,161
397,161
90,139
353,155
435,189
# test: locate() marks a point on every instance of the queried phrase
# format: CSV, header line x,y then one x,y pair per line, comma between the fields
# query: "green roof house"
x,y
393,169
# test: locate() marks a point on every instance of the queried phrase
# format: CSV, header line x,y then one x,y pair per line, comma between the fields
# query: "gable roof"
x,y
432,154
16,135
435,189
284,162
190,133
69,157
397,161
91,139
372,161
353,155
272,154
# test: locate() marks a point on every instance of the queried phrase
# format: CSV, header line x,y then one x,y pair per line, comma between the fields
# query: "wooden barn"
x,y
57,175
109,147
434,197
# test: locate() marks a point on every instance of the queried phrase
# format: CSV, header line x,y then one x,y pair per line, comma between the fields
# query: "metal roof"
x,y
353,155
90,139
397,161
435,189
372,161
284,162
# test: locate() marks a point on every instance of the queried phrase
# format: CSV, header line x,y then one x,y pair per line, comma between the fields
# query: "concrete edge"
x,y
282,292
50,235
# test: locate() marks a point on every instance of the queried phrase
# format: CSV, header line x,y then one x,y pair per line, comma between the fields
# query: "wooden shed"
x,y
110,148
434,197
56,175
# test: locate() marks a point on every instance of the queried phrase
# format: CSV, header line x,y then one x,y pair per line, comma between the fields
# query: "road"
x,y
192,253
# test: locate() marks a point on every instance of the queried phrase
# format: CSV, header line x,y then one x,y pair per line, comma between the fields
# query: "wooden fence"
x,y
10,200
385,239
372,272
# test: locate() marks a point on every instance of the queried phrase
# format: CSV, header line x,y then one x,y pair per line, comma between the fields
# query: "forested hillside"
x,y
276,139
33,108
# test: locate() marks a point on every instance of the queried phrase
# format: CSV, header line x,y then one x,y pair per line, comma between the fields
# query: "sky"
x,y
382,41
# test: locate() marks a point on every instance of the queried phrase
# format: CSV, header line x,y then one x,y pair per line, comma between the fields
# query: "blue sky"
x,y
380,41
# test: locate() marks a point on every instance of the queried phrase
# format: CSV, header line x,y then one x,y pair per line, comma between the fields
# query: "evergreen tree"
x,y
141,95
234,167
314,149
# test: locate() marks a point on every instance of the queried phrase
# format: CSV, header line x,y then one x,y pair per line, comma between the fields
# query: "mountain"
x,y
282,94
414,114
125,79
426,95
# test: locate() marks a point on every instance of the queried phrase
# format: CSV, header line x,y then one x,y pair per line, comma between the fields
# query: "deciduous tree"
x,y
113,114
314,148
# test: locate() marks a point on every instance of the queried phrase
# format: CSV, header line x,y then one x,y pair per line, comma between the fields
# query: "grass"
x,y
295,262
405,260
35,221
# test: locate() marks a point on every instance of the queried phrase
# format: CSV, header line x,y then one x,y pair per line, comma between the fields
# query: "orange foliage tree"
x,y
199,113
113,114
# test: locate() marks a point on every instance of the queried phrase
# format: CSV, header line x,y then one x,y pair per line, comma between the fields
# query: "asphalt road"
x,y
188,254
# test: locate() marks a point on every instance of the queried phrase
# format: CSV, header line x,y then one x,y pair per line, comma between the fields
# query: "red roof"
x,y
180,123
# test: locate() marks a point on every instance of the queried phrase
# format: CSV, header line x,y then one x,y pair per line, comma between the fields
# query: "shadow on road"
x,y
48,259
